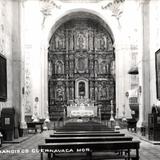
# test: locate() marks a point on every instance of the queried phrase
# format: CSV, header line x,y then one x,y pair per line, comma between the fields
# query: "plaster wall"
x,y
154,46
6,46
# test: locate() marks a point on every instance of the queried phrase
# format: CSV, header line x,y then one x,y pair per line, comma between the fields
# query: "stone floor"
x,y
27,148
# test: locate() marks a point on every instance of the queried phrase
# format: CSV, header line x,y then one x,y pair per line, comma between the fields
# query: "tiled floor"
x,y
28,148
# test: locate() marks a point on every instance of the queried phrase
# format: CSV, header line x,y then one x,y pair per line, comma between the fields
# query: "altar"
x,y
82,108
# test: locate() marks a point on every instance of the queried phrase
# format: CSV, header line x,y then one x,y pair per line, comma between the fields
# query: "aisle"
x,y
28,149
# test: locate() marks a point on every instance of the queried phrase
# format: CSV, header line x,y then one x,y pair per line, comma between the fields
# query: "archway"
x,y
81,47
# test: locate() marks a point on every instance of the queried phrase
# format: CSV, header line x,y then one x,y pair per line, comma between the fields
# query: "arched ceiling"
x,y
82,15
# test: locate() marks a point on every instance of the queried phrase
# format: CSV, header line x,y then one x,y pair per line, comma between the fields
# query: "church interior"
x,y
79,65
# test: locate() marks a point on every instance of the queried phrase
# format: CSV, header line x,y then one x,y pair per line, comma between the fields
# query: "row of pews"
x,y
110,144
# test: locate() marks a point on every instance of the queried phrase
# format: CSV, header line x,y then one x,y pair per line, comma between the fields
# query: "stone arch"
x,y
85,13
81,12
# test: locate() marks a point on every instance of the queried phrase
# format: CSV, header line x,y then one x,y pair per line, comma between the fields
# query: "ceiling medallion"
x,y
115,8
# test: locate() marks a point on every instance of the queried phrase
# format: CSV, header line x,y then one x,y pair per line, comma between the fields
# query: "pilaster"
x,y
144,66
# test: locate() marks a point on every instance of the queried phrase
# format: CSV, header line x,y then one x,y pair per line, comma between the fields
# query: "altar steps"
x,y
83,126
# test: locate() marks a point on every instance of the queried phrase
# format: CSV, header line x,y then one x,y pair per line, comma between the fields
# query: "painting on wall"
x,y
157,63
3,78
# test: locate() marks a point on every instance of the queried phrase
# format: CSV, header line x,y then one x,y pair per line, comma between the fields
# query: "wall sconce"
x,y
23,90
127,94
140,89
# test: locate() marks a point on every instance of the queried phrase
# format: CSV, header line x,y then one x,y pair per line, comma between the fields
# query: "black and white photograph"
x,y
79,79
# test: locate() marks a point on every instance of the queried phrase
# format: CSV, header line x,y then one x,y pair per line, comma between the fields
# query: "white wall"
x,y
154,46
6,45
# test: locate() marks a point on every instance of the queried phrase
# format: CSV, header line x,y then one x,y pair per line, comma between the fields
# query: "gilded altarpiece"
x,y
80,49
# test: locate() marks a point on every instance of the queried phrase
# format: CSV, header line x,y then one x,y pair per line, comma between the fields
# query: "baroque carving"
x,y
81,52
60,89
81,61
59,67
28,85
28,105
115,8
47,7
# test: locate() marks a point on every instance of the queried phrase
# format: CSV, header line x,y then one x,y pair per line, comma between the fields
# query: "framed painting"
x,y
157,64
3,78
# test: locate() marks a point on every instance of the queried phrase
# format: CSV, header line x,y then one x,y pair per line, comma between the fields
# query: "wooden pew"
x,y
87,139
86,134
90,147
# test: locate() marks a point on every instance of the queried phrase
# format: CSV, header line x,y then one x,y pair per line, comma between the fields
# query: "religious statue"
x,y
96,67
60,93
82,89
59,67
103,68
35,115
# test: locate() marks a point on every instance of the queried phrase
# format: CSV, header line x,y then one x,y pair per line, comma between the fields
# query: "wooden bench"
x,y
87,139
91,147
86,134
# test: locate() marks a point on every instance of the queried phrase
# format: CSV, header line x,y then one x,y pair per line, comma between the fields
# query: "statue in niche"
x,y
60,40
103,67
99,92
91,66
91,93
103,93
59,67
70,93
70,41
82,89
107,93
51,92
50,69
62,43
71,65
96,91
57,42
81,41
81,64
60,93
72,90
110,45
111,92
107,67
90,39
97,43
112,68
102,43
96,67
